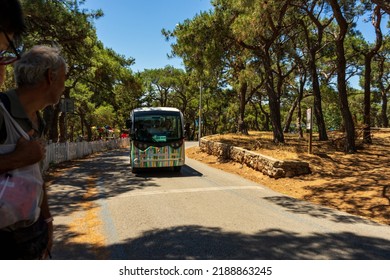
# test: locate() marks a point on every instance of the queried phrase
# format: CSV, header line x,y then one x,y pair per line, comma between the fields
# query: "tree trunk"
x,y
385,119
274,101
241,126
256,115
383,90
267,118
367,76
89,131
297,103
50,115
62,121
317,100
274,106
82,124
367,100
71,133
314,48
299,120
350,146
62,126
349,125
290,114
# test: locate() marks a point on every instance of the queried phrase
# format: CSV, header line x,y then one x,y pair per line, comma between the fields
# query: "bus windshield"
x,y
157,127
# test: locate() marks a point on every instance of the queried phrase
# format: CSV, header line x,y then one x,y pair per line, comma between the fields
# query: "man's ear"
x,y
50,77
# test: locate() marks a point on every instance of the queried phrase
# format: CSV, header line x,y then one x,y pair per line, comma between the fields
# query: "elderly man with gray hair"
x,y
40,76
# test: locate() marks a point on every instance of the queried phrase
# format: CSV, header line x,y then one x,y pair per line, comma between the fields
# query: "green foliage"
x,y
331,109
243,55
104,115
97,75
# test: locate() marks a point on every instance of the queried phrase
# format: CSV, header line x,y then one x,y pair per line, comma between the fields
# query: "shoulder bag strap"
x,y
4,98
17,127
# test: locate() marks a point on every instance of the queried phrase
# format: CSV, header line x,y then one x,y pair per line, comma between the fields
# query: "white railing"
x,y
60,152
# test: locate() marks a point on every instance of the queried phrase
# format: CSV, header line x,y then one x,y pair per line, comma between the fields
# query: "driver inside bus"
x,y
167,125
156,128
141,132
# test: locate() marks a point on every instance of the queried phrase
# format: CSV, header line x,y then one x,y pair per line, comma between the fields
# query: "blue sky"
x,y
133,27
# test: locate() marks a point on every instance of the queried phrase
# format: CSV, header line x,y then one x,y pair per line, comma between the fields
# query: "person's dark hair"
x,y
11,17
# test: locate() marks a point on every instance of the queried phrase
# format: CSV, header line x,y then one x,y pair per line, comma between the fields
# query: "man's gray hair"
x,y
32,67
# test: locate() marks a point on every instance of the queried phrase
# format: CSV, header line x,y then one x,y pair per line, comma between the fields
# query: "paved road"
x,y
103,211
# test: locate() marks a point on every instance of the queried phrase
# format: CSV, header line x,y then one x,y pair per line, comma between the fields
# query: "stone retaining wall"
x,y
267,165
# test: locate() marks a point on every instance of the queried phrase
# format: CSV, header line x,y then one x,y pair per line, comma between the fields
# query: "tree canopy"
x,y
258,65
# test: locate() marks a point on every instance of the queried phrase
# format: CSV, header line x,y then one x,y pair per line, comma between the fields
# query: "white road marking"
x,y
192,190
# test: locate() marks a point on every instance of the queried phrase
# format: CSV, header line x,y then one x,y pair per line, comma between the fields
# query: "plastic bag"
x,y
20,189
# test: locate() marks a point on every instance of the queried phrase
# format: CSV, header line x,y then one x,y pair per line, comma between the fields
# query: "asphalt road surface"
x,y
103,211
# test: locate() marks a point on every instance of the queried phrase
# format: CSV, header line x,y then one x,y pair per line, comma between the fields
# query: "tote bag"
x,y
20,189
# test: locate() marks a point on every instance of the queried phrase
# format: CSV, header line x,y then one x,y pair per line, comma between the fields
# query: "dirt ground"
x,y
355,183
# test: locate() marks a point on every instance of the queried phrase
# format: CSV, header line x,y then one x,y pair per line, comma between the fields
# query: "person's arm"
x,y
27,152
45,212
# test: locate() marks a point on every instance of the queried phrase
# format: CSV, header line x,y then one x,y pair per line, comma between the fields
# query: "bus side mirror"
x,y
128,123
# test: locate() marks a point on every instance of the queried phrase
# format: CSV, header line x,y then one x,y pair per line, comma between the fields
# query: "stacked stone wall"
x,y
267,165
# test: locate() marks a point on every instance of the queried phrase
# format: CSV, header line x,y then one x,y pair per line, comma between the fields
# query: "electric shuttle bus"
x,y
156,138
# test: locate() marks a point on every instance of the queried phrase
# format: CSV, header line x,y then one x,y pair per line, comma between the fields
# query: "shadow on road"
x,y
303,207
206,243
186,171
69,182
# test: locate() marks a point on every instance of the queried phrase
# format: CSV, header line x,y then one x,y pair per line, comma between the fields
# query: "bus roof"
x,y
156,109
